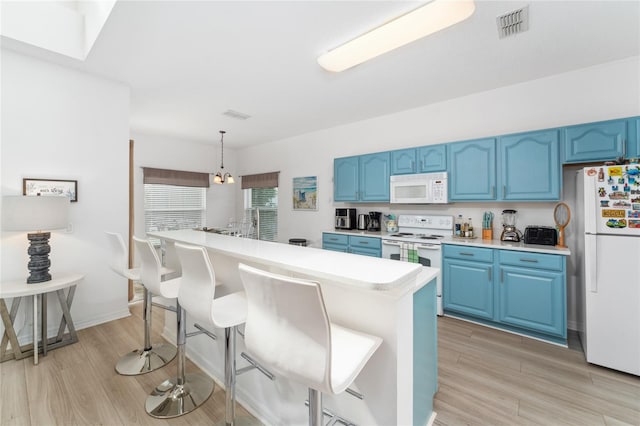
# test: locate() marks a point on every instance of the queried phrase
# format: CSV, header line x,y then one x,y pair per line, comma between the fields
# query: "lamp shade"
x,y
22,213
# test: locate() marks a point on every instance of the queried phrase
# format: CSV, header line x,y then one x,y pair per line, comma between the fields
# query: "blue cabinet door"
x,y
374,177
530,166
533,299
468,288
345,179
605,140
403,161
472,170
634,138
432,158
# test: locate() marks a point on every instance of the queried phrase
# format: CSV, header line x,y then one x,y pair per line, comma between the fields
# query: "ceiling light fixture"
x,y
222,176
421,22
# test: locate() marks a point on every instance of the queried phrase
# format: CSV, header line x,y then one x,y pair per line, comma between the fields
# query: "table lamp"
x,y
21,213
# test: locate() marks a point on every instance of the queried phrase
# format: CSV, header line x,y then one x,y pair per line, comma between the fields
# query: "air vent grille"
x,y
513,22
235,114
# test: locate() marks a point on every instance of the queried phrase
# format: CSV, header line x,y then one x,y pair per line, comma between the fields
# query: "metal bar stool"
x,y
151,356
197,297
288,331
185,392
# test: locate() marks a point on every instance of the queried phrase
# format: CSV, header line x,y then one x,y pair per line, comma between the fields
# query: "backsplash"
x,y
528,213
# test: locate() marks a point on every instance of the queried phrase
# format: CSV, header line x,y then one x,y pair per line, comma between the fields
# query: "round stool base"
x,y
171,400
141,361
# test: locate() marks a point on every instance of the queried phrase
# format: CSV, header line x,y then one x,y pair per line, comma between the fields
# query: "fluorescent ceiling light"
x,y
421,22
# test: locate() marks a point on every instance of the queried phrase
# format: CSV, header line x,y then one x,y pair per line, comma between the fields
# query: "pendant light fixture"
x,y
222,176
421,22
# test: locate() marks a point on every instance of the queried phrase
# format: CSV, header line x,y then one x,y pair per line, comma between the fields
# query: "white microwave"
x,y
423,188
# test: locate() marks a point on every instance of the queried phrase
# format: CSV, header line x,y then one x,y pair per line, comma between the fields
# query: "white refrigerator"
x,y
608,210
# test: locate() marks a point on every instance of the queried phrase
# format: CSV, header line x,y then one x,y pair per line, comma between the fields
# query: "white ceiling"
x,y
188,62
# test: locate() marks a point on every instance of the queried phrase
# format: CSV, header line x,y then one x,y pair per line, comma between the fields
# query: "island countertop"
x,y
393,300
355,270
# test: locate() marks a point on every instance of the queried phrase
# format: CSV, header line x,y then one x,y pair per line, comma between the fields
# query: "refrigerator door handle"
x,y
591,250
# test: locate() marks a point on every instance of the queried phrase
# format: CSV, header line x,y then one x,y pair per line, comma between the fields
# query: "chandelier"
x,y
222,176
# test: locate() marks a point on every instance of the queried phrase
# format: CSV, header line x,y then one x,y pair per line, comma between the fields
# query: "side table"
x,y
16,290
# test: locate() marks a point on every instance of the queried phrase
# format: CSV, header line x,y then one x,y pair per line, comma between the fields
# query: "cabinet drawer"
x,y
365,242
468,253
531,260
328,238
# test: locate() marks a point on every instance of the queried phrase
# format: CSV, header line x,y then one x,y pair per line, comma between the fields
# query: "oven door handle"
x,y
391,243
428,246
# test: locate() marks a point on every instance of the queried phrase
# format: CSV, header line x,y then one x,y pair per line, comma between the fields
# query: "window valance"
x,y
175,177
261,180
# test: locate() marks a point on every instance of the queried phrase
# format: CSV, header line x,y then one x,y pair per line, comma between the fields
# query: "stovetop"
x,y
423,228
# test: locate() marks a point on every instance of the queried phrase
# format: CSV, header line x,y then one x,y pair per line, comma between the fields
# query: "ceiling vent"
x,y
235,114
513,22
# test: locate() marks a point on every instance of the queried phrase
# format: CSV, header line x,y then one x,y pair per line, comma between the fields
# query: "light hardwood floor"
x,y
486,377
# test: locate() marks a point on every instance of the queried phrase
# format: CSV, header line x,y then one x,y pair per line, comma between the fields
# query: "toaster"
x,y
543,235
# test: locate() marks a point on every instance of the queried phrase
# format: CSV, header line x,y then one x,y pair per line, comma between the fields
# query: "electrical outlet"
x,y
69,228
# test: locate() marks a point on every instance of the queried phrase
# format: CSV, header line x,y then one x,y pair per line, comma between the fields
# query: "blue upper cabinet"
x,y
361,178
432,158
472,170
530,166
403,161
345,179
374,177
605,140
634,140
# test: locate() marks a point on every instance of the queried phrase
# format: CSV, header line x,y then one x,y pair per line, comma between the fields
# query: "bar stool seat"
x,y
288,330
151,356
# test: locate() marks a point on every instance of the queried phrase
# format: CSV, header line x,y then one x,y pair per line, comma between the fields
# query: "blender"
x,y
509,231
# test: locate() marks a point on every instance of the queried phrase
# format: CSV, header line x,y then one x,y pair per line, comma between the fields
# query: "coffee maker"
x,y
345,219
509,230
374,221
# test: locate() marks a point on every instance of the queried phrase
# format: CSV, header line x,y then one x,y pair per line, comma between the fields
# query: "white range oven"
x,y
419,240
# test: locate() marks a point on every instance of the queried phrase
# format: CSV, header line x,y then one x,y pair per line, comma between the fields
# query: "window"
x,y
261,205
173,207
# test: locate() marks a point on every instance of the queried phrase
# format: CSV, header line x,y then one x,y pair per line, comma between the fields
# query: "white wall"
x,y
597,93
179,154
62,124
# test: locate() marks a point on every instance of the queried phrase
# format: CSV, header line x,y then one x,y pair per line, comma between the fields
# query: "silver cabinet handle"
x,y
465,254
333,239
363,242
522,259
413,165
493,191
489,271
504,191
624,148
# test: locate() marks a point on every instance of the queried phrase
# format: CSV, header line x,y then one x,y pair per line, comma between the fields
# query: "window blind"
x,y
173,207
263,208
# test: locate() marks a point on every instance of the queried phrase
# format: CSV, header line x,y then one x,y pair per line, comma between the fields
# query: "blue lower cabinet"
x,y
533,299
468,287
526,294
367,246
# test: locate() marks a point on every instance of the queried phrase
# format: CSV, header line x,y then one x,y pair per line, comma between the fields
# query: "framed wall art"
x,y
50,187
305,193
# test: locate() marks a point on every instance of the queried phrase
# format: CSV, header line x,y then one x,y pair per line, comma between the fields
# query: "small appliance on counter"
x,y
509,230
345,219
374,221
543,235
363,222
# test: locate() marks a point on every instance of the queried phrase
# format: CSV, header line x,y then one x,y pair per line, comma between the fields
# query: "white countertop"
x,y
362,271
506,245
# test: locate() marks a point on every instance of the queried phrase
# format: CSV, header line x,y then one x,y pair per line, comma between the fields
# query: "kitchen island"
x,y
393,300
